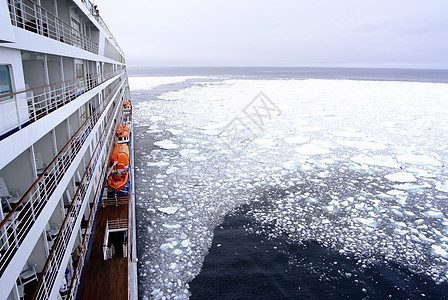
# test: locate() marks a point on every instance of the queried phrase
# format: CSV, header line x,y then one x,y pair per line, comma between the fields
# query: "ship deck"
x,y
106,279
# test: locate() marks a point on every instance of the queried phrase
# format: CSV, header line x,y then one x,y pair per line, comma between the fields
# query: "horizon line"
x,y
291,67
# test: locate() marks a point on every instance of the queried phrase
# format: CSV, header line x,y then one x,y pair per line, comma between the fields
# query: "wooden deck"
x,y
105,279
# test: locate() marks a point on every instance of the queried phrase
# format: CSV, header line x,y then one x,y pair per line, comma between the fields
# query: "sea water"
x,y
334,183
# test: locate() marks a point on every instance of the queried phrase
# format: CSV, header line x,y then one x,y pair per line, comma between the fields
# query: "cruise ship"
x,y
66,166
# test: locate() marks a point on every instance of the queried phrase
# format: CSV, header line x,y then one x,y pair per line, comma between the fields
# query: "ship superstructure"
x,y
63,88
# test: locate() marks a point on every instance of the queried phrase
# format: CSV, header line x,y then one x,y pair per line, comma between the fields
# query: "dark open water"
x,y
241,265
245,264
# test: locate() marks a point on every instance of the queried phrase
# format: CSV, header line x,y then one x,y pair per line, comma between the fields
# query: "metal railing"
x,y
94,11
115,224
29,15
114,41
115,201
77,270
17,223
90,7
43,100
49,273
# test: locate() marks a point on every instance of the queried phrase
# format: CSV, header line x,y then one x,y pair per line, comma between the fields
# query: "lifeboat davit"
x,y
122,133
118,177
127,106
119,155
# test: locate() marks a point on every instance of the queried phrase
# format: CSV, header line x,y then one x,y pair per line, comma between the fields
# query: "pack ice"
x,y
359,166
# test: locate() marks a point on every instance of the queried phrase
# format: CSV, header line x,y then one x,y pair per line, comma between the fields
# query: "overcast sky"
x,y
352,33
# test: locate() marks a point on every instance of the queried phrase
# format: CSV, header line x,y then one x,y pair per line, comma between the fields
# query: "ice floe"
x,y
377,160
442,186
401,177
439,251
297,139
310,149
420,160
166,144
168,210
371,222
362,144
434,213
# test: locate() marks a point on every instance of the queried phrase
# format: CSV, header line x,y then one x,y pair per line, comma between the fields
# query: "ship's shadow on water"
x,y
245,264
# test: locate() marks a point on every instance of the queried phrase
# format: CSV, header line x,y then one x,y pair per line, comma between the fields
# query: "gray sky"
x,y
351,33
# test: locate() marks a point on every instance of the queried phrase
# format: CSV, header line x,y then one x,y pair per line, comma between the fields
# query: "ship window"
x,y
5,82
79,70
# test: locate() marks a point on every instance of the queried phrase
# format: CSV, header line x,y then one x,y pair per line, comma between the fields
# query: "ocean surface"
x,y
291,183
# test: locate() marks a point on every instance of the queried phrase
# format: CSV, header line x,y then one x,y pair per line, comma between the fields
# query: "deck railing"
x,y
114,224
43,100
53,265
117,200
109,33
92,9
77,271
29,15
17,223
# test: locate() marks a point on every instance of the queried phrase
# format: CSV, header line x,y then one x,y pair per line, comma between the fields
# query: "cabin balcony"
x,y
36,103
48,189
33,17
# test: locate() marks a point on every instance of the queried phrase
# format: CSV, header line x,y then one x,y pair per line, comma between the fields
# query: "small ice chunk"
x,y
367,221
362,145
443,187
297,139
400,224
177,251
378,160
173,266
420,160
188,153
348,133
168,210
175,131
419,172
401,177
424,239
439,251
166,247
289,165
397,213
397,193
185,243
434,213
410,186
166,144
400,231
310,149
156,118
158,164
172,226
266,142
198,158
171,170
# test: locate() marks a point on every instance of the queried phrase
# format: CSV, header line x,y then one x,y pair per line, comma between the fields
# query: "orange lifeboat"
x,y
119,155
122,133
127,106
118,177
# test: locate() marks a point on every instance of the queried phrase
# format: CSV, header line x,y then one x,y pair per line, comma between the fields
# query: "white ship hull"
x,y
63,82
